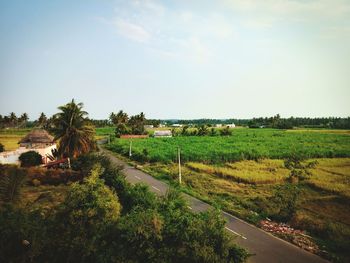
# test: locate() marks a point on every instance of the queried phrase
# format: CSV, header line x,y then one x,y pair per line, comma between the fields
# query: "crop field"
x,y
10,137
244,144
250,172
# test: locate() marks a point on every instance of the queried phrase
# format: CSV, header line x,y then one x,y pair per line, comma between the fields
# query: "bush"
x,y
2,148
285,201
31,158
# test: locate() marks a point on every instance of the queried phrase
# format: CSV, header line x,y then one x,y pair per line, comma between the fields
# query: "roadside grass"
x,y
321,211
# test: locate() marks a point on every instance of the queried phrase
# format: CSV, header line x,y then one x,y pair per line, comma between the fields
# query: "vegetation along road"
x,y
265,247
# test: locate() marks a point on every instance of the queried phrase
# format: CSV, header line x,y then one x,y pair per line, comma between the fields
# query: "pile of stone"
x,y
295,236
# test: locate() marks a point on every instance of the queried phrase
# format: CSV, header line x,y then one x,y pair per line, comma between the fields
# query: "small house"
x,y
37,140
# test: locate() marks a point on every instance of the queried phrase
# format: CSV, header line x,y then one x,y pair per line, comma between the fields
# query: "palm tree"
x,y
42,120
122,117
23,119
13,119
72,130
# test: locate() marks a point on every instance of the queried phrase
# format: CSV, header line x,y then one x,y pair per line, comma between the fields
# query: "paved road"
x,y
264,246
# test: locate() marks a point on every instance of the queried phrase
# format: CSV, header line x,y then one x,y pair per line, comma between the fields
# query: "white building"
x,y
232,125
37,140
165,133
176,125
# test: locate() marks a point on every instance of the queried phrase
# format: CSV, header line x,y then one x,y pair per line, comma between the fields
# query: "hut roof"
x,y
37,136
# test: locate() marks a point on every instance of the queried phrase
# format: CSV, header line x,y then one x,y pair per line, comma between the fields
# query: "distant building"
x,y
148,126
37,140
232,125
218,125
176,125
161,125
166,133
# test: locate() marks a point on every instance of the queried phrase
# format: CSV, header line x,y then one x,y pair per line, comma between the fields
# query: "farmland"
x,y
10,137
242,173
244,144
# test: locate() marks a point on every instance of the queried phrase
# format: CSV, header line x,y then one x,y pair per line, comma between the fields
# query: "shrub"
x,y
31,158
2,148
285,202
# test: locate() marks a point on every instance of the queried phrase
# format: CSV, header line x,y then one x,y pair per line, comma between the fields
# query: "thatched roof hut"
x,y
37,136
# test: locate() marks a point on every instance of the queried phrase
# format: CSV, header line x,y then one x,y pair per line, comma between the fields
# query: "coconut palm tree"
x,y
42,120
72,130
13,119
23,119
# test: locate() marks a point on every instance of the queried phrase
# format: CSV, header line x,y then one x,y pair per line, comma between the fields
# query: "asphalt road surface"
x,y
264,246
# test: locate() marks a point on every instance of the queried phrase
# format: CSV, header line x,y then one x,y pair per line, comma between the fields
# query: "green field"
x,y
240,174
244,144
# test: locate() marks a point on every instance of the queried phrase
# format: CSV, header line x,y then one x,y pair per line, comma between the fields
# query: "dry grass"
x,y
332,175
45,196
10,141
251,172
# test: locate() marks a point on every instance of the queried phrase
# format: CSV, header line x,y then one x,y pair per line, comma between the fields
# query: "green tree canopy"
x,y
72,130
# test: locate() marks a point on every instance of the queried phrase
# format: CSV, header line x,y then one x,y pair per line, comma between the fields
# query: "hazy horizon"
x,y
177,60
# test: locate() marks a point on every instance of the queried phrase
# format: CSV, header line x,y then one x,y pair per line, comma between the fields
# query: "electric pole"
x,y
179,158
130,154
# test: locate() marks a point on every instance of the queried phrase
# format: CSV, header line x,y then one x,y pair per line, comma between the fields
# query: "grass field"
x,y
10,137
322,207
244,144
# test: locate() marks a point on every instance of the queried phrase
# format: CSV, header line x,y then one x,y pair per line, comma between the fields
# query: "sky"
x,y
176,59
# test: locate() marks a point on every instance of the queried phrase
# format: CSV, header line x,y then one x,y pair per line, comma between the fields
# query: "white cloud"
x,y
132,31
267,13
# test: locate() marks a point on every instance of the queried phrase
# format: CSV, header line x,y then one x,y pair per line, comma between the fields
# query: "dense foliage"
x,y
249,144
2,148
30,158
72,130
104,219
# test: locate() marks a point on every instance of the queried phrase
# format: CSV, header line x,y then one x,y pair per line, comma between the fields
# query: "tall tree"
x,y
72,130
122,117
42,121
23,119
13,119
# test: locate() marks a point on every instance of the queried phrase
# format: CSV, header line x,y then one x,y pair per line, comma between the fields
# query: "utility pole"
x,y
130,154
179,158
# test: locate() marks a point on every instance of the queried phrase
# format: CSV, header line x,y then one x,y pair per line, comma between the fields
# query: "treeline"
x,y
105,219
208,122
201,130
288,123
12,121
272,122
